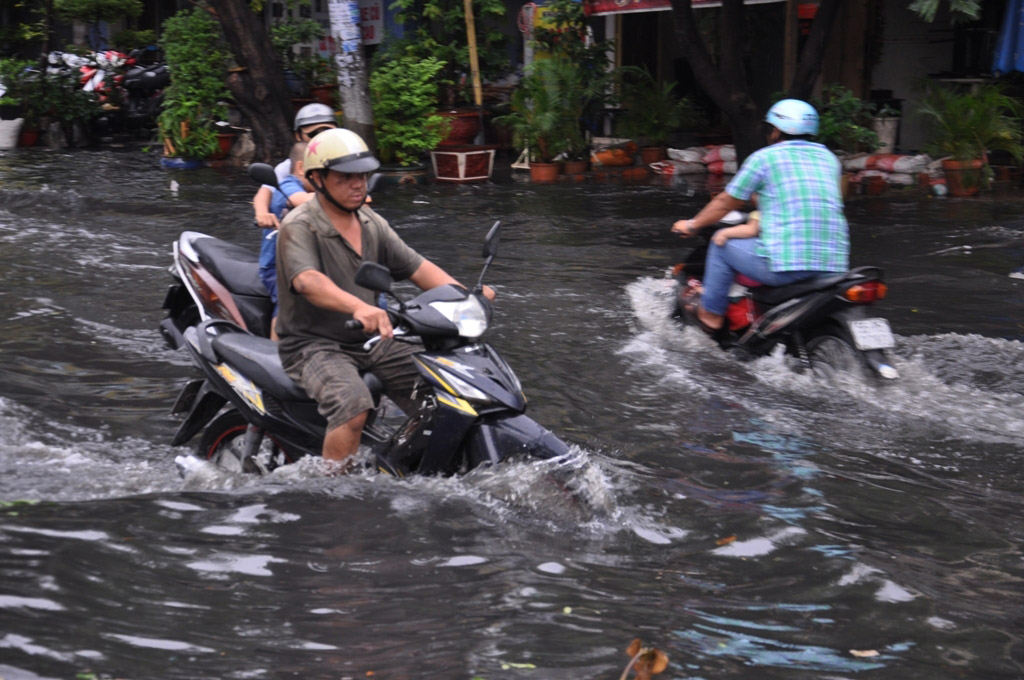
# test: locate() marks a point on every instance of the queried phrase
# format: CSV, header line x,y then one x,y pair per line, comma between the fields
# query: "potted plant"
x,y
885,122
968,124
844,121
404,95
653,111
438,29
538,117
299,72
195,99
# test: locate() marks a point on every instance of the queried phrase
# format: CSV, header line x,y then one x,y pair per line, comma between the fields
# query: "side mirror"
x,y
374,276
491,240
262,173
372,182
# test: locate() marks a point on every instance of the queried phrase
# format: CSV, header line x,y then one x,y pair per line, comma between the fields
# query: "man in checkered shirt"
x,y
802,230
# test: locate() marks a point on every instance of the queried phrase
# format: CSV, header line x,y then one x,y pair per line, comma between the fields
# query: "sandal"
x,y
717,334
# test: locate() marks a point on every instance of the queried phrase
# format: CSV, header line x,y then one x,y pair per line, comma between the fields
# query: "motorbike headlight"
x,y
468,315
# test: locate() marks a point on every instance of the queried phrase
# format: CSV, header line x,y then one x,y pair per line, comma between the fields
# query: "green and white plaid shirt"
x,y
803,227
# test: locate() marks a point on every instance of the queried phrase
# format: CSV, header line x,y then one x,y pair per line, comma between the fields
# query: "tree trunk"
x,y
258,82
727,81
352,79
809,65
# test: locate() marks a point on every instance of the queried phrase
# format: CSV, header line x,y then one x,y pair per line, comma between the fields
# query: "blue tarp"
x,y
1009,55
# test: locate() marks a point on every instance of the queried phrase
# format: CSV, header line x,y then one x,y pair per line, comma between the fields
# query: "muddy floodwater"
x,y
748,520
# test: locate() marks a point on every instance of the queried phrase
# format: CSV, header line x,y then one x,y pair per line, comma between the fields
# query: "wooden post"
x,y
474,62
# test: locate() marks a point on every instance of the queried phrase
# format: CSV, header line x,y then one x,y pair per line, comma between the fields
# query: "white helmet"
x,y
311,114
793,117
339,149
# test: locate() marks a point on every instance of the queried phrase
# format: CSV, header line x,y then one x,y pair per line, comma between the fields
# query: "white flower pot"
x,y
9,131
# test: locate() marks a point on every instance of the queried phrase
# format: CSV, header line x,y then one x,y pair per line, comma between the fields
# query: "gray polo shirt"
x,y
308,240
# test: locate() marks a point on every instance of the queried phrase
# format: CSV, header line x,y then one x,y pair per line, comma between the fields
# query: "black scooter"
x,y
252,417
826,322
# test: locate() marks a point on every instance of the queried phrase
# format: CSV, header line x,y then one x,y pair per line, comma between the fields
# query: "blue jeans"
x,y
739,255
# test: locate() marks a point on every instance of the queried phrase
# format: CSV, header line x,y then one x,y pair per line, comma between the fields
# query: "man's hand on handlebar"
x,y
684,228
374,320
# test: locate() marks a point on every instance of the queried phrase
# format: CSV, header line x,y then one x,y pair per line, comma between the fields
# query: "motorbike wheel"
x,y
830,354
223,441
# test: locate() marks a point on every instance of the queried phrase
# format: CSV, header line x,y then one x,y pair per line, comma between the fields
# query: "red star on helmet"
x,y
313,143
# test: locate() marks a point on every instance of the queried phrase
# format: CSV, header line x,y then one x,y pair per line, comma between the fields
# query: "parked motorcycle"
x,y
827,322
144,84
250,416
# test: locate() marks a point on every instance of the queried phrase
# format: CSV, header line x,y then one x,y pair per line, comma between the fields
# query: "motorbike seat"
x,y
258,359
769,295
237,267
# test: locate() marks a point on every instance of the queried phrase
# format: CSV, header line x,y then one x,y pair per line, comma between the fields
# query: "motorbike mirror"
x,y
372,182
491,240
263,174
374,276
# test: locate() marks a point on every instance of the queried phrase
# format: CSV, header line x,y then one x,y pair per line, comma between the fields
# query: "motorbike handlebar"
x,y
353,324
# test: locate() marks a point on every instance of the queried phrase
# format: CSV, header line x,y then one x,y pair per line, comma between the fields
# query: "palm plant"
x,y
966,125
654,109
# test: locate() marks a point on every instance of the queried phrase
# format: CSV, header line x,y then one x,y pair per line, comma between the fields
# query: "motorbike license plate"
x,y
872,334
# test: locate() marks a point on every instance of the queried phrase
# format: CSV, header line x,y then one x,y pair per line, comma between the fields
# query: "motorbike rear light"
x,y
678,268
863,293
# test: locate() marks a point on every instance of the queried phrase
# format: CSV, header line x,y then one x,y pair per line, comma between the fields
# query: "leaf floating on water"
x,y
646,661
864,653
725,541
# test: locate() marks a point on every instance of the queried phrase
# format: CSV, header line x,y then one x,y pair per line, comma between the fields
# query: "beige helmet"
x,y
339,149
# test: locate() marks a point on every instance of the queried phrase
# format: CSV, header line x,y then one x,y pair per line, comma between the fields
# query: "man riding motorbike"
x,y
320,246
802,230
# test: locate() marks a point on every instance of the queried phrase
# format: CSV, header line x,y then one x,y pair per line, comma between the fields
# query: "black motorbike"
x,y
250,416
827,322
144,86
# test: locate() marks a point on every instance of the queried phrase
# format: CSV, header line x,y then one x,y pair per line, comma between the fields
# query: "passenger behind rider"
x,y
310,120
291,192
802,231
320,246
749,229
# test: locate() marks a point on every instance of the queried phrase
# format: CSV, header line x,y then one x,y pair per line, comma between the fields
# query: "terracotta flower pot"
x,y
576,167
963,178
544,172
28,136
652,154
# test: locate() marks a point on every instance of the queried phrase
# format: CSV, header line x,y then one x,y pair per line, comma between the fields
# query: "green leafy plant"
x,y
967,124
439,30
844,120
541,116
195,99
563,35
653,109
129,39
97,10
404,95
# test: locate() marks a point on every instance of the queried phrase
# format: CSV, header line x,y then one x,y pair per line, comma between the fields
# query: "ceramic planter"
x,y
9,132
463,163
465,126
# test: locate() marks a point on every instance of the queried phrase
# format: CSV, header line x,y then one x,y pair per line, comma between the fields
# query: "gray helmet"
x,y
311,114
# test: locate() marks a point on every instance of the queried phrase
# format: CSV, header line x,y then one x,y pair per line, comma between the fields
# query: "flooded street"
x,y
750,521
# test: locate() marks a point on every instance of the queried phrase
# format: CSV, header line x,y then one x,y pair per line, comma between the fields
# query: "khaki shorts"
x,y
330,375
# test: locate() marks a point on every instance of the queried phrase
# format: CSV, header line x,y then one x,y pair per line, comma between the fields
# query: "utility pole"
x,y
353,84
